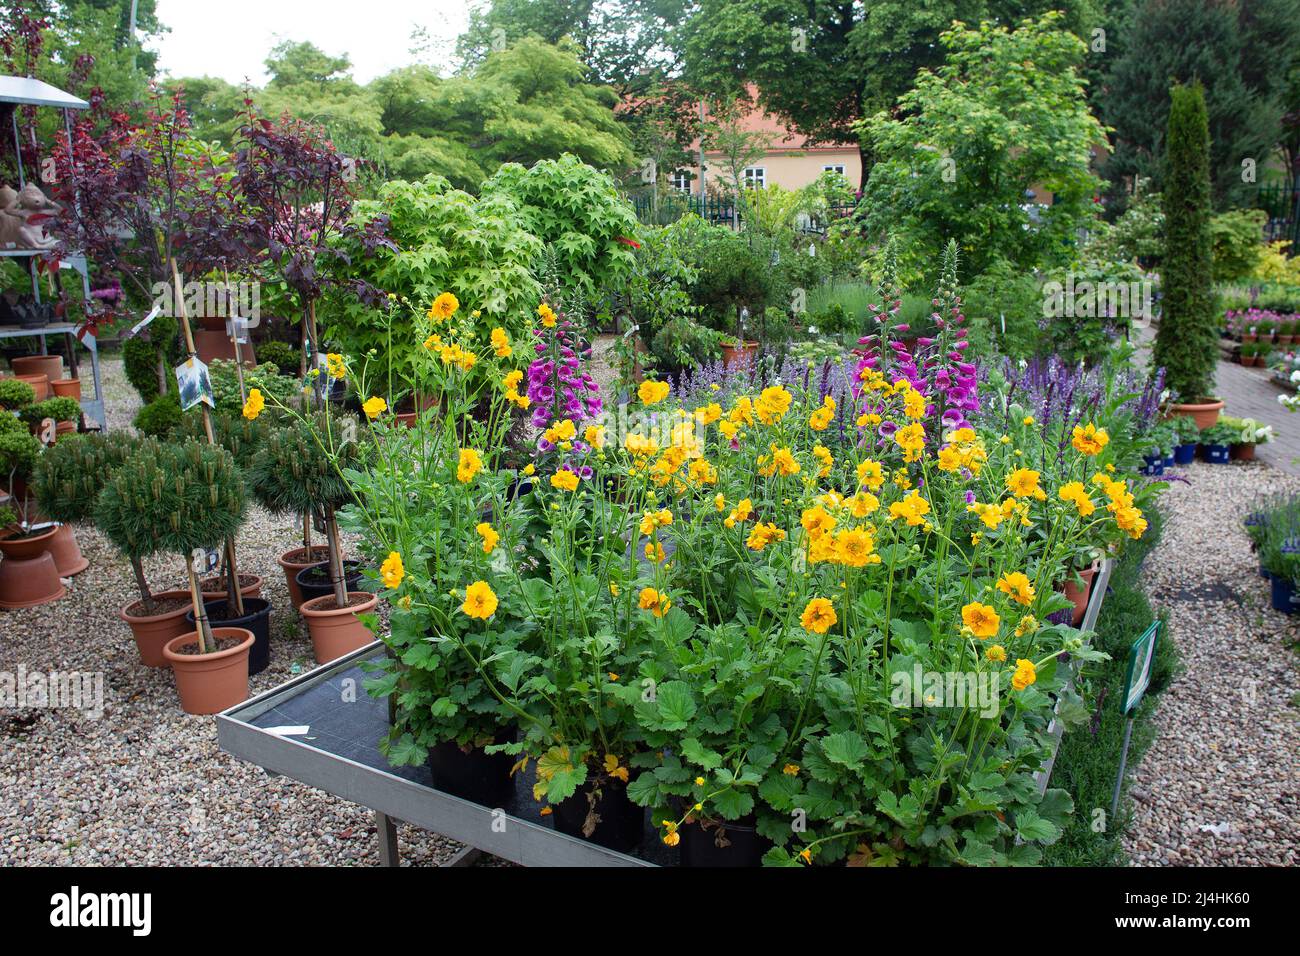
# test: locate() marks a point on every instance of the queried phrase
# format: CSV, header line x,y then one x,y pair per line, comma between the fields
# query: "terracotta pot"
x,y
65,552
67,388
29,582
336,631
41,384
152,632
1204,414
51,366
1244,451
738,354
298,560
62,429
1080,595
209,683
406,418
214,589
26,548
1285,339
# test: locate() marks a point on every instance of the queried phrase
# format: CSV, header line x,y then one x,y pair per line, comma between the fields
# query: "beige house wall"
x,y
789,169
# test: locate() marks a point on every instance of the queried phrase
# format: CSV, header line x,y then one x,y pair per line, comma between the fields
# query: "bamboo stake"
x,y
336,558
234,339
235,598
200,612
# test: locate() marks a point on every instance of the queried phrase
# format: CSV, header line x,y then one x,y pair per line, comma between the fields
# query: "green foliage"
x,y
159,417
12,424
172,498
266,377
1237,236
1004,114
15,394
72,473
140,362
59,408
232,431
577,212
282,355
293,471
19,451
449,242
1187,343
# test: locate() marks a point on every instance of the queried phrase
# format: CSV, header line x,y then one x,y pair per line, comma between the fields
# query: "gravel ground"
x,y
146,783
1220,784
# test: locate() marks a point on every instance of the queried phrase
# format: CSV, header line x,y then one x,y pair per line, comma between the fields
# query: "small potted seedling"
x,y
299,469
28,574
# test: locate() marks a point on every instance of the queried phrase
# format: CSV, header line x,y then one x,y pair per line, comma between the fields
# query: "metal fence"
x,y
716,210
1282,203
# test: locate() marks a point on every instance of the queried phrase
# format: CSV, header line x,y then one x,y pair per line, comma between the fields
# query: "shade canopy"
x,y
26,91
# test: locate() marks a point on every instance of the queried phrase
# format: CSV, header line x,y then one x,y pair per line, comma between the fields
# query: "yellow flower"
x,y
871,475
818,616
530,469
594,435
1075,492
997,653
1016,586
672,838
501,343
950,459
335,365
824,459
817,521
1025,674
982,620
1027,625
468,465
741,512
772,404
763,535
374,407
613,769
653,601
489,536
709,414
652,393
561,431
654,551
1023,483
564,480
820,419
1130,520
392,571
911,438
791,770
912,509
699,781
784,461
253,407
480,601
913,404
547,315
1089,440
613,589
855,547
863,503
444,307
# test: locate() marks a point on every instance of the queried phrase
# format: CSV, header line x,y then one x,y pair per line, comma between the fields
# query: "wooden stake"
x,y
200,612
234,339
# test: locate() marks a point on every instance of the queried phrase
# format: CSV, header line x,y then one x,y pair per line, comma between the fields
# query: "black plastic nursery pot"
x,y
620,823
472,774
256,618
1282,595
315,580
723,843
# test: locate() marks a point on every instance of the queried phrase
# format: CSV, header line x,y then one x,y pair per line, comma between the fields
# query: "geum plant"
x,y
731,620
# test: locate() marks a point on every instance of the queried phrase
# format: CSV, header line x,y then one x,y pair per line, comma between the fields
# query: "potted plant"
x,y
1217,443
15,394
1279,553
63,412
298,469
1188,437
1286,331
1250,433
1187,342
184,499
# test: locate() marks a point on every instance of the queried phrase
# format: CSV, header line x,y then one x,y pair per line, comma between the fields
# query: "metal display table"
x,y
339,753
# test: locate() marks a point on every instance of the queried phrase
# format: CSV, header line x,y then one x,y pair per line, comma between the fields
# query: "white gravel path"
x,y
1221,783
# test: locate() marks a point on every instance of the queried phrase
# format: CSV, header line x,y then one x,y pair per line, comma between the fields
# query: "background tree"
x,y
1005,112
1241,51
1187,342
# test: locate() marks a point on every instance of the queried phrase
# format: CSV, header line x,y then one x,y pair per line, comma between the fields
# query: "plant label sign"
x,y
205,560
195,384
237,329
1141,657
143,323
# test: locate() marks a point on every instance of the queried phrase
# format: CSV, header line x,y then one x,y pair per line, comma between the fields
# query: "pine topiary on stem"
x,y
299,467
173,498
1187,343
71,474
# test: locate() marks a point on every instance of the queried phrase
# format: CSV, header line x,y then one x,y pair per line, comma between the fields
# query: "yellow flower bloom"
x,y
818,616
530,469
253,407
468,465
742,512
1025,674
392,571
565,480
1016,586
791,770
335,365
501,343
654,551
982,620
594,435
911,438
763,535
773,402
374,407
653,601
1075,492
911,509
855,547
709,414
997,653
547,315
821,419
1023,483
1089,440
652,393
871,475
489,536
444,307
817,521
480,601
1027,625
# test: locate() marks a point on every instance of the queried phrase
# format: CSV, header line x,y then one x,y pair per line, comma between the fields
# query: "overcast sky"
x,y
231,38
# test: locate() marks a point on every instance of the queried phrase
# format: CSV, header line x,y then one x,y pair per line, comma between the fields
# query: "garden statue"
x,y
22,218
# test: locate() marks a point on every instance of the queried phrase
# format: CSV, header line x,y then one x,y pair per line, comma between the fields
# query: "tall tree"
x,y
1241,51
1187,344
823,66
